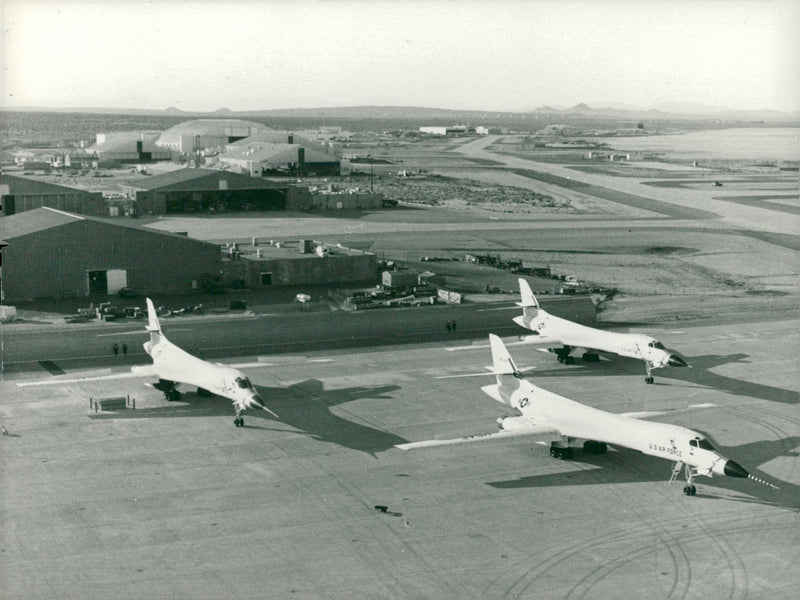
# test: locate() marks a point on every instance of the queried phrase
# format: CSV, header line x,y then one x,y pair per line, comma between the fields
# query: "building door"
x,y
98,283
116,279
266,278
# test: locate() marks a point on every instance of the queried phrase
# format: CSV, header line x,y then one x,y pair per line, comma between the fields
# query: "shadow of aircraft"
x,y
307,406
304,406
700,373
630,466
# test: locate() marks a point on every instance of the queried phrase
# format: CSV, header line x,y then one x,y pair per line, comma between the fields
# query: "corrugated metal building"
x,y
20,194
51,253
128,147
258,157
206,190
199,134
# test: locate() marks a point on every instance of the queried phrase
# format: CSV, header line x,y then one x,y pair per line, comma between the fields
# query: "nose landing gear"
x,y
649,366
689,489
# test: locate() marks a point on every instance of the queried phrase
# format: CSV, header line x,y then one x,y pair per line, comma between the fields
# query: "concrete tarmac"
x,y
170,500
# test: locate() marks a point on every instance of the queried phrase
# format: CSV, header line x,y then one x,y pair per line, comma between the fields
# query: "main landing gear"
x,y
689,489
170,389
558,450
239,420
561,452
563,355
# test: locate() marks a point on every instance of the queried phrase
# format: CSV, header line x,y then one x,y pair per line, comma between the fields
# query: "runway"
x,y
170,500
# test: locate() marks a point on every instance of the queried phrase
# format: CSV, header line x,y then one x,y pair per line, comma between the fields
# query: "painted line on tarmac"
x,y
523,370
82,379
138,331
464,375
499,308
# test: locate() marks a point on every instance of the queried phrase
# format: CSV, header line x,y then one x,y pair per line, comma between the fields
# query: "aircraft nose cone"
x,y
676,361
734,469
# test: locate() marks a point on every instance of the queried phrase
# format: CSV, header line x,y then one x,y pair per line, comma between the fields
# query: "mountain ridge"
x,y
664,111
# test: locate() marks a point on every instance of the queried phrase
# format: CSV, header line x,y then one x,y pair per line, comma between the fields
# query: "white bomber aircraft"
x,y
546,416
562,337
174,366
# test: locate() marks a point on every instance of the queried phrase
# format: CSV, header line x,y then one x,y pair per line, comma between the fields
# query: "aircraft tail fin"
x,y
527,299
153,326
502,363
507,375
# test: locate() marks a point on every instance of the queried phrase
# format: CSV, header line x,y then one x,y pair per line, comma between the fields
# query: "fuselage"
x,y
174,364
575,420
632,345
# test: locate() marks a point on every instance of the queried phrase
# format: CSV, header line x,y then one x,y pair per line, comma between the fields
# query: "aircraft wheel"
x,y
693,490
592,447
239,422
649,379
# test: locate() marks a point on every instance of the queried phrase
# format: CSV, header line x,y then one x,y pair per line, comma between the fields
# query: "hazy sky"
x,y
465,54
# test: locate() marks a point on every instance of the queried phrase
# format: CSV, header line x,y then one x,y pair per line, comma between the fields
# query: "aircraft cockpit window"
x,y
657,344
705,445
693,443
244,383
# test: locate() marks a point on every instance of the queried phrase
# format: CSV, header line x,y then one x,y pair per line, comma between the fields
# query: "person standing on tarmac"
x,y
115,349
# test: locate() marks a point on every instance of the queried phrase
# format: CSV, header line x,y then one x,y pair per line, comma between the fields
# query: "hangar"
x,y
207,190
191,136
116,148
52,253
259,157
20,194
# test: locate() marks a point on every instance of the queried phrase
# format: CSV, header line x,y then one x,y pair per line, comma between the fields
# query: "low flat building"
x,y
444,130
19,194
207,190
55,254
304,262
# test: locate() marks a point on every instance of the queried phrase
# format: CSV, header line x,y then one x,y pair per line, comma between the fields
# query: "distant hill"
x,y
428,115
667,111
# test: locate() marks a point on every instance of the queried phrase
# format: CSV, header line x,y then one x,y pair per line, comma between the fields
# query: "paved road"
x,y
691,203
84,344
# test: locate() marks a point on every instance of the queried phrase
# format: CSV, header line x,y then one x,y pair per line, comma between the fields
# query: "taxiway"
x,y
170,500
